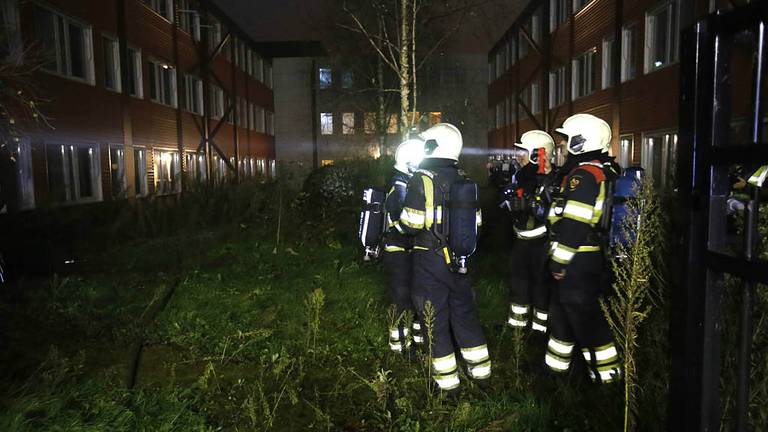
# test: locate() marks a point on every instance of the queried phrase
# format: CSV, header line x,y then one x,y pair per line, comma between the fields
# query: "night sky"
x,y
280,20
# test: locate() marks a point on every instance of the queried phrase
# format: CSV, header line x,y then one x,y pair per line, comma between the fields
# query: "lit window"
x,y
370,123
626,149
348,123
140,172
164,8
557,87
661,36
190,19
347,79
167,172
326,162
326,78
558,13
195,167
261,167
111,63
66,45
117,171
162,83
272,169
74,173
627,53
609,47
583,79
659,158
193,98
326,123
435,118
135,78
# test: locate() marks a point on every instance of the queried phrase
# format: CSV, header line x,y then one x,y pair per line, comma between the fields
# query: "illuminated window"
x,y
66,45
326,123
261,167
348,123
658,158
193,97
609,47
501,63
117,171
195,167
273,169
167,172
662,29
162,83
370,123
628,69
626,149
326,78
140,172
111,63
535,97
435,118
326,162
583,78
74,173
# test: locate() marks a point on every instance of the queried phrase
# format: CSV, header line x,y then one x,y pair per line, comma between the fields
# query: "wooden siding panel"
x,y
593,23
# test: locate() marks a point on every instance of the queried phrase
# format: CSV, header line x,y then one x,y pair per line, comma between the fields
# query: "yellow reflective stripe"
x,y
429,203
588,249
447,255
563,254
420,248
531,234
579,211
394,249
479,217
412,218
599,204
758,177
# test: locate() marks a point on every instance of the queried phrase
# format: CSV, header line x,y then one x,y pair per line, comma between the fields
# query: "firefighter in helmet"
x,y
529,203
450,293
397,259
577,264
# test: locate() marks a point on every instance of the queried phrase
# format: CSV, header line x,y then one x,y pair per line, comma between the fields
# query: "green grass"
x,y
246,344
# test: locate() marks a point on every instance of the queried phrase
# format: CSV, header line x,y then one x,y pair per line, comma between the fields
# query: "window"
x,y
662,30
326,78
659,158
268,74
196,167
190,19
347,79
251,116
326,123
11,43
162,83
535,102
435,118
499,115
500,63
217,102
579,5
258,67
164,8
242,112
609,47
270,120
140,172
583,79
626,150
260,120
273,169
167,172
558,13
111,63
492,69
348,123
193,94
261,167
557,87
117,171
523,46
66,44
74,173
393,125
533,27
628,53
369,123
214,34
510,111
26,184
220,170
135,80
511,52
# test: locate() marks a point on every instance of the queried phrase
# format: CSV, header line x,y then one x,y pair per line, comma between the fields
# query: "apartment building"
x,y
616,59
142,97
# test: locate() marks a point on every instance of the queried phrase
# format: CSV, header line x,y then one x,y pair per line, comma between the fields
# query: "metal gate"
x,y
709,151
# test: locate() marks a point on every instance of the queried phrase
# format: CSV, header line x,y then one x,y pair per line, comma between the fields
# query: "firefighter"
x,y
577,264
529,204
397,259
450,293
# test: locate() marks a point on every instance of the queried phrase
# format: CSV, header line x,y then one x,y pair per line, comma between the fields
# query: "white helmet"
x,y
586,133
442,140
533,140
408,155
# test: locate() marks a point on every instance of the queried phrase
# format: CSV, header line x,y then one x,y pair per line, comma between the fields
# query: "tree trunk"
x,y
405,61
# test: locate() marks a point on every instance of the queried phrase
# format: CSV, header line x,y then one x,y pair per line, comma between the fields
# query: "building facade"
x,y
140,97
616,59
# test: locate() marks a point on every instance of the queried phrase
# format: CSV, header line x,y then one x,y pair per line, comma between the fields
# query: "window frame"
x,y
557,88
189,18
606,65
159,81
625,157
154,6
115,55
63,60
174,171
123,192
326,123
589,71
667,167
671,50
347,126
189,81
71,172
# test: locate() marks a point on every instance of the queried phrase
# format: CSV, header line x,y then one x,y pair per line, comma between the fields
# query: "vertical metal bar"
x,y
750,239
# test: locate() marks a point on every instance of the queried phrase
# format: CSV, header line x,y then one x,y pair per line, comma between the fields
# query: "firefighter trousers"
x,y
398,265
529,285
576,320
452,315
